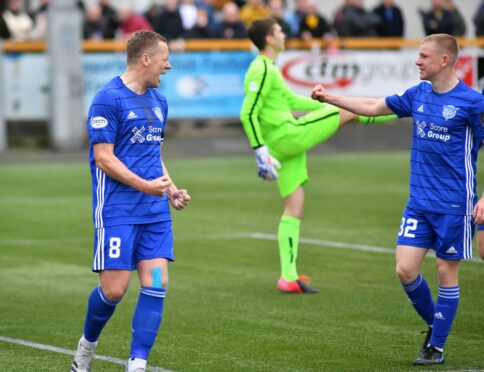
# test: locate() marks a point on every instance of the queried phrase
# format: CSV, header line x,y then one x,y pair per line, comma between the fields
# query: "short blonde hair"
x,y
446,43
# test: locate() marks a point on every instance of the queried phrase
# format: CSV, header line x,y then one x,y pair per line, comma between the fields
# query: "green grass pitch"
x,y
223,312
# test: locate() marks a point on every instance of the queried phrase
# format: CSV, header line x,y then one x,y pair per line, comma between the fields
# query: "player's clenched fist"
x,y
158,186
179,199
319,93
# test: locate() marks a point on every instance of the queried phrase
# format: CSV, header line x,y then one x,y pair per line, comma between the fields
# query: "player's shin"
x,y
146,321
418,293
376,119
445,310
288,239
99,310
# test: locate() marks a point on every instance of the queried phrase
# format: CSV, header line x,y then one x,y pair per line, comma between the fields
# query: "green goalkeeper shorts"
x,y
291,145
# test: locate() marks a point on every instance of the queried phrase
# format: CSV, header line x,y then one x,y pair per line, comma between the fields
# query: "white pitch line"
x,y
61,350
327,243
333,244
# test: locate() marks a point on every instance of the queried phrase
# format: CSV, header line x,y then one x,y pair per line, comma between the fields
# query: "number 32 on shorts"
x,y
407,227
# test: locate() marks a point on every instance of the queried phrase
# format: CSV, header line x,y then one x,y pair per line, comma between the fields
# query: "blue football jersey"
x,y
447,134
135,124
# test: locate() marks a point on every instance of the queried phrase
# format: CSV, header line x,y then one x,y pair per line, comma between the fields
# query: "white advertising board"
x,y
359,73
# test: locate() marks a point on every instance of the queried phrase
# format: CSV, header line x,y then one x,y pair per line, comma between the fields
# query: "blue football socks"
x,y
445,309
146,321
418,293
99,310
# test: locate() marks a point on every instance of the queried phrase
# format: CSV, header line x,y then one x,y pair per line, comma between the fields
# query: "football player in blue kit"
x,y
479,220
131,194
447,134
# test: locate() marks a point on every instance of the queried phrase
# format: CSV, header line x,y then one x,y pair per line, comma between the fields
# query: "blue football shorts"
x,y
121,247
480,227
450,236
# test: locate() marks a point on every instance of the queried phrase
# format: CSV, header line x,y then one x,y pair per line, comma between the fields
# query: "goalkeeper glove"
x,y
266,164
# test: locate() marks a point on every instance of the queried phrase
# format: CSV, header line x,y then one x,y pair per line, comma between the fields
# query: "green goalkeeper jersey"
x,y
269,103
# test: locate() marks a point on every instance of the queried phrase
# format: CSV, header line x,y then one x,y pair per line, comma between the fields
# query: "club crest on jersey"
x,y
138,135
449,111
420,129
98,122
158,113
253,86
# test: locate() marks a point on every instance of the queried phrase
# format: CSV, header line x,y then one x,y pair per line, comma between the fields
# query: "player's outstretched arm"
x,y
114,168
357,105
179,198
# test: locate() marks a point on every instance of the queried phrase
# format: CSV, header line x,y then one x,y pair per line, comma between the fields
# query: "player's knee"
x,y
164,279
481,249
294,211
405,274
114,292
295,214
448,272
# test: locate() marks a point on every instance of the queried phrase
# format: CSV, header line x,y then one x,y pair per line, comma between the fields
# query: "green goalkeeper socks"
x,y
288,238
376,119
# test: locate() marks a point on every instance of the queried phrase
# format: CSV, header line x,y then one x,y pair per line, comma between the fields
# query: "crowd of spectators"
x,y
229,19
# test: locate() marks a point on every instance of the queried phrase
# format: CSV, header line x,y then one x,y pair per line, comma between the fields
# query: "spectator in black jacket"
x,y
231,27
458,23
479,20
169,22
356,21
391,19
4,32
99,26
109,19
438,20
201,29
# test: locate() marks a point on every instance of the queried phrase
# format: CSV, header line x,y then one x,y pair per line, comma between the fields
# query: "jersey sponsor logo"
x,y
253,87
98,122
434,131
155,134
138,135
420,129
132,115
421,108
449,111
158,113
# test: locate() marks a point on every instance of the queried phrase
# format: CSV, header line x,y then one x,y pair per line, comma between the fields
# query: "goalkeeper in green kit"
x,y
281,141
